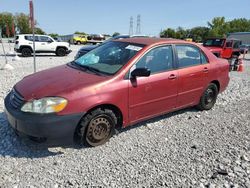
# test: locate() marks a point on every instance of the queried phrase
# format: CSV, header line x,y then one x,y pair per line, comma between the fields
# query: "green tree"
x,y
39,31
53,35
239,25
181,33
218,27
80,33
22,21
6,19
198,34
168,33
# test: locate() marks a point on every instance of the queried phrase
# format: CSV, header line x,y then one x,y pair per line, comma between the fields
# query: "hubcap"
x,y
209,97
99,129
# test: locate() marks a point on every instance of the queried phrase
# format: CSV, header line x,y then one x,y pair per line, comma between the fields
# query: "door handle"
x,y
205,70
43,43
172,77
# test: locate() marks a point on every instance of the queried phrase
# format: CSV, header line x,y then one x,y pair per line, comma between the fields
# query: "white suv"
x,y
43,44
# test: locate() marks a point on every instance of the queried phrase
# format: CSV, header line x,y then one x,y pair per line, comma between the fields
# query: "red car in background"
x,y
223,48
115,85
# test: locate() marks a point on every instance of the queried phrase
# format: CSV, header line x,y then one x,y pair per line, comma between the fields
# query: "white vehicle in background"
x,y
43,44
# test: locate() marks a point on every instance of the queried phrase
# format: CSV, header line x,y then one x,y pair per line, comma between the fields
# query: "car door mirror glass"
x,y
140,72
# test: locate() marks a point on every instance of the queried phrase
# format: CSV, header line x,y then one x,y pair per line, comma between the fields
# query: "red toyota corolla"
x,y
115,85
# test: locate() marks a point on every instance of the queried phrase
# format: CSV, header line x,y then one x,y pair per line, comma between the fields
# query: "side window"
x,y
203,58
44,39
157,60
229,44
188,56
30,38
236,44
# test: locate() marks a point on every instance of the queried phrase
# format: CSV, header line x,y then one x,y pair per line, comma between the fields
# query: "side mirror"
x,y
140,72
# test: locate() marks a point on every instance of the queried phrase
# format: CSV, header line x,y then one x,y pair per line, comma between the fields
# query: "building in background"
x,y
244,37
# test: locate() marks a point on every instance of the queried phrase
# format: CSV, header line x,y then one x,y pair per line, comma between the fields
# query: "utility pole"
x,y
138,25
131,29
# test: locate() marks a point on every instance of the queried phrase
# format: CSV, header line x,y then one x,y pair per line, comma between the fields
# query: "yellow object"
x,y
60,107
80,39
189,39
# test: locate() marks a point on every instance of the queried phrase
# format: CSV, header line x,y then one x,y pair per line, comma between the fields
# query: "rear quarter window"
x,y
30,38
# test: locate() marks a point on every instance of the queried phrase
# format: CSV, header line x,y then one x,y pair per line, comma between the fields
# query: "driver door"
x,y
156,94
227,49
46,44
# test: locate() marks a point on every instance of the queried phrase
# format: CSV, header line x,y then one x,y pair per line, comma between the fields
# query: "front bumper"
x,y
68,51
52,127
17,50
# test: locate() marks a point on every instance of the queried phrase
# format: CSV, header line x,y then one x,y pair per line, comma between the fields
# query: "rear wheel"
x,y
97,127
60,52
78,42
209,97
26,52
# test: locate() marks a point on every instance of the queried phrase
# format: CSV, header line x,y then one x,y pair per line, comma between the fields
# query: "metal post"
x,y
33,32
34,49
6,61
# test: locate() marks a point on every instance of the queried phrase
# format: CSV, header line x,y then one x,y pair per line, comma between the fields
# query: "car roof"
x,y
32,35
151,41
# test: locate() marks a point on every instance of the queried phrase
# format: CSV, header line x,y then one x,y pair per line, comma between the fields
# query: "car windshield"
x,y
109,58
214,42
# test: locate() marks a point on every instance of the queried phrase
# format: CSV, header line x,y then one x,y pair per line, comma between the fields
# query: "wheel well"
x,y
114,108
21,47
217,83
61,47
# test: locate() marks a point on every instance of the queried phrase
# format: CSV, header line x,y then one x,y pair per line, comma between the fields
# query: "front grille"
x,y
16,100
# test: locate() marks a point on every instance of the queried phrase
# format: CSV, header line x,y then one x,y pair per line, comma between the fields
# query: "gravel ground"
x,y
187,148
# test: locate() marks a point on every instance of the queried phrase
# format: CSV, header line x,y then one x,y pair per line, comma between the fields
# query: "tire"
x,y
26,52
78,42
60,52
97,127
209,97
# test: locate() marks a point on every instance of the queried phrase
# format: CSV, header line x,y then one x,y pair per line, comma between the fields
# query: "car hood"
x,y
214,49
63,43
56,82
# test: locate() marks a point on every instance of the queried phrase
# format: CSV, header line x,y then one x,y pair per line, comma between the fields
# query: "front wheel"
x,y
209,97
97,127
26,52
60,52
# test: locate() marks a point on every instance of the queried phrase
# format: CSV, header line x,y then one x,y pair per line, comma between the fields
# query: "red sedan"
x,y
115,85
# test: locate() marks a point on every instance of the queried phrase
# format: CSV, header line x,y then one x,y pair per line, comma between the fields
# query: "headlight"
x,y
45,105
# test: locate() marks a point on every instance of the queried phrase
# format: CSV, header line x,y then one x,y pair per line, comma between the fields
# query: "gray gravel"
x,y
187,148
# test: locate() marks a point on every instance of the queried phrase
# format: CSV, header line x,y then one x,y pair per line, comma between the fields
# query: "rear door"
x,y
156,94
193,68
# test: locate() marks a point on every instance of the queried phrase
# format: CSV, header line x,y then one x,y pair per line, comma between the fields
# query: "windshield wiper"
x,y
91,69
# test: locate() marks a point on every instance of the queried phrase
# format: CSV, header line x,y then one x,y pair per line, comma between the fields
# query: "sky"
x,y
109,16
